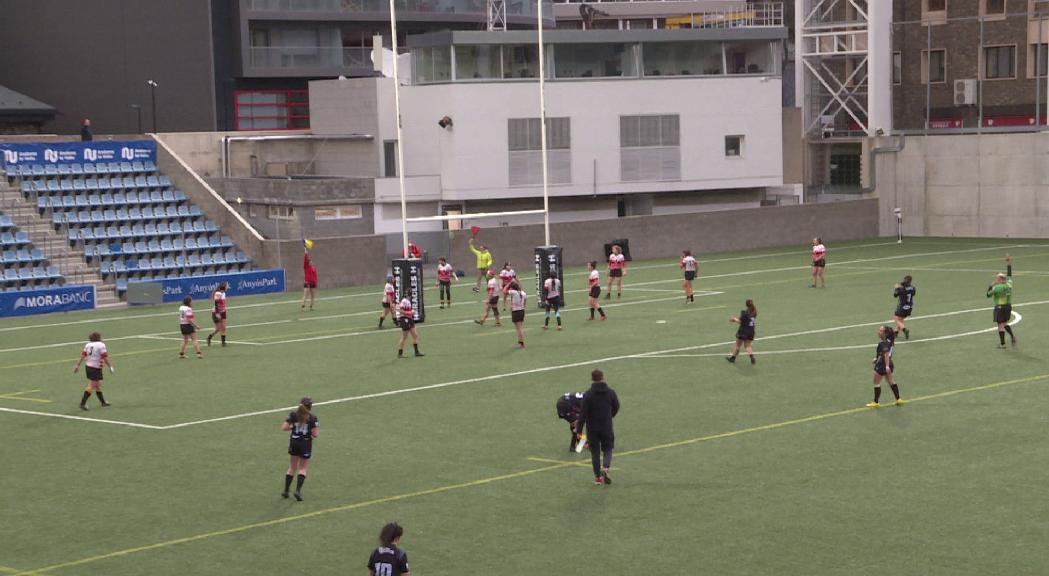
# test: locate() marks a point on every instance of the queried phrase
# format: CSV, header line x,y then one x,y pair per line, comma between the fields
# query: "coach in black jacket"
x,y
600,406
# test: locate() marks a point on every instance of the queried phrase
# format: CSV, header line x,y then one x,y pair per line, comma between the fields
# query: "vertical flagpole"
x,y
542,126
400,140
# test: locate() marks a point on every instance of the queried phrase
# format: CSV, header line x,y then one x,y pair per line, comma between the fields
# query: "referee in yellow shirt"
x,y
484,262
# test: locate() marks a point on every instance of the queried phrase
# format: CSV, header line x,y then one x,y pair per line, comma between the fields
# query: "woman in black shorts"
x,y
303,426
518,299
884,366
187,324
595,290
747,321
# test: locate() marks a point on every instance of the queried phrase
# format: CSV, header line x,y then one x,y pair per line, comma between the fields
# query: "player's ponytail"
x,y
752,310
302,414
906,280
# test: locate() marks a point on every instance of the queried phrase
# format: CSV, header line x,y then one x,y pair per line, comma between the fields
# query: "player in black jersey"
x,y
388,559
303,427
904,293
747,321
883,366
568,406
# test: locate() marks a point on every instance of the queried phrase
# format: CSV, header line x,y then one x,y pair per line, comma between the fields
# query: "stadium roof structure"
x,y
15,105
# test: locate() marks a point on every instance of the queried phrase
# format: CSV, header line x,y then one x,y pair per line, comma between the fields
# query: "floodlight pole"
x,y
400,141
542,126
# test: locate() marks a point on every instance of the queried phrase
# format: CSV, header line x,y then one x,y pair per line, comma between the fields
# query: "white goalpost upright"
x,y
545,211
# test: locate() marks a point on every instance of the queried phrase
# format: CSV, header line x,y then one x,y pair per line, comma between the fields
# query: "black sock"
x,y
591,313
1009,329
100,397
287,482
1001,337
559,319
223,338
381,318
895,390
416,346
546,322
83,400
600,311
400,351
877,394
298,482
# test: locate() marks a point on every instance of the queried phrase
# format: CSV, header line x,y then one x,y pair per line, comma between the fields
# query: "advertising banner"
x,y
548,264
79,152
47,300
408,281
201,287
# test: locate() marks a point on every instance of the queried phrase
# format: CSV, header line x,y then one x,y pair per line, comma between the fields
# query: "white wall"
x,y
472,157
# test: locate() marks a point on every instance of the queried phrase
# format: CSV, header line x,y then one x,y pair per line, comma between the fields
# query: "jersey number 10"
x,y
383,569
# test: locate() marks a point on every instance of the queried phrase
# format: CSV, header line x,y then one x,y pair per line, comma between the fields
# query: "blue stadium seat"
x,y
147,212
103,250
152,181
7,238
128,182
53,272
50,170
8,257
121,285
80,201
151,229
198,226
138,230
194,260
138,167
131,197
66,186
135,213
10,275
91,184
79,185
119,198
42,204
150,166
169,262
76,168
126,231
27,187
97,216
112,232
25,274
191,243
140,182
59,218
168,196
106,199
180,196
52,186
67,202
144,265
206,259
103,183
37,255
64,169
164,181
176,228
74,235
156,197
131,265
163,229
94,200
89,168
5,221
153,246
87,233
113,167
156,263
126,168
122,215
38,170
39,273
119,267
183,211
21,238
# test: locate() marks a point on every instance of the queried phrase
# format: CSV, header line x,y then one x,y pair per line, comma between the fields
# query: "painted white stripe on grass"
x,y
553,368
81,418
1017,318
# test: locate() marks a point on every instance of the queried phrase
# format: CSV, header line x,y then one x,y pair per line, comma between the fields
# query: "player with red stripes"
x,y
819,262
406,319
491,304
506,277
389,299
309,279
445,275
218,313
616,271
595,290
95,355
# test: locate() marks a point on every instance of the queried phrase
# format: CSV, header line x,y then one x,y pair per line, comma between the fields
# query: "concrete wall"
x,y
91,59
992,185
252,197
349,261
666,236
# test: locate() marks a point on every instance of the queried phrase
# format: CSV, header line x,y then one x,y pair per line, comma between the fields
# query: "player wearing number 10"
x,y
388,559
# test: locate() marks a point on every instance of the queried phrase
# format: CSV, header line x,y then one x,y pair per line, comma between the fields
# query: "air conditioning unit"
x,y
964,92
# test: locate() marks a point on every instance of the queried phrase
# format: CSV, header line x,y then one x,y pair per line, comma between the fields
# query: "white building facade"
x,y
639,122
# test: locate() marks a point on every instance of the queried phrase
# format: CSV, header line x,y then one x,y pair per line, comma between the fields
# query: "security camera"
x,y
445,122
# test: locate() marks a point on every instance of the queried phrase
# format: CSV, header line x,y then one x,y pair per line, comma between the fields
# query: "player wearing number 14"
x,y
388,559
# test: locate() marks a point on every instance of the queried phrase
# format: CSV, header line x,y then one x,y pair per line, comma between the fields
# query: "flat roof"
x,y
554,36
14,103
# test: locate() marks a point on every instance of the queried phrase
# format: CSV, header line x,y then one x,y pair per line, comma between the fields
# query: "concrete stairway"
x,y
70,261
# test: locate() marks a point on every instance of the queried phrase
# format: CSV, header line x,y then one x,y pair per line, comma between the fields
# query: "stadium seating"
x,y
127,217
21,264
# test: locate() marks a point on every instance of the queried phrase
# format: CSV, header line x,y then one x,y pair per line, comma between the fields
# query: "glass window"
x,y
750,58
934,11
271,109
1039,59
521,61
525,155
524,134
733,146
682,58
595,60
998,62
649,148
475,62
350,212
897,67
934,66
993,7
389,158
644,131
280,212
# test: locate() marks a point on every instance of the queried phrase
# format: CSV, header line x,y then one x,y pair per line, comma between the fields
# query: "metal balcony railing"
x,y
309,57
754,15
475,8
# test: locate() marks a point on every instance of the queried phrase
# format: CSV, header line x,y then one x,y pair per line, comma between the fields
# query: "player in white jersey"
x,y
445,276
594,281
616,271
819,262
95,356
406,320
188,326
691,267
218,313
389,299
506,276
518,299
553,301
491,303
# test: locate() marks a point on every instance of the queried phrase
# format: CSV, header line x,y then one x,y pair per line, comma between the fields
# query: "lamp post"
x,y
138,111
153,97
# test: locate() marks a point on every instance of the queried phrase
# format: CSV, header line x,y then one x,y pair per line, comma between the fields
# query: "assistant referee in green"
x,y
1002,292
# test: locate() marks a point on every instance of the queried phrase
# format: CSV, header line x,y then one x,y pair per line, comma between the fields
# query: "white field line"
x,y
468,321
1017,318
533,327
82,418
974,270
487,378
552,368
431,288
628,286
